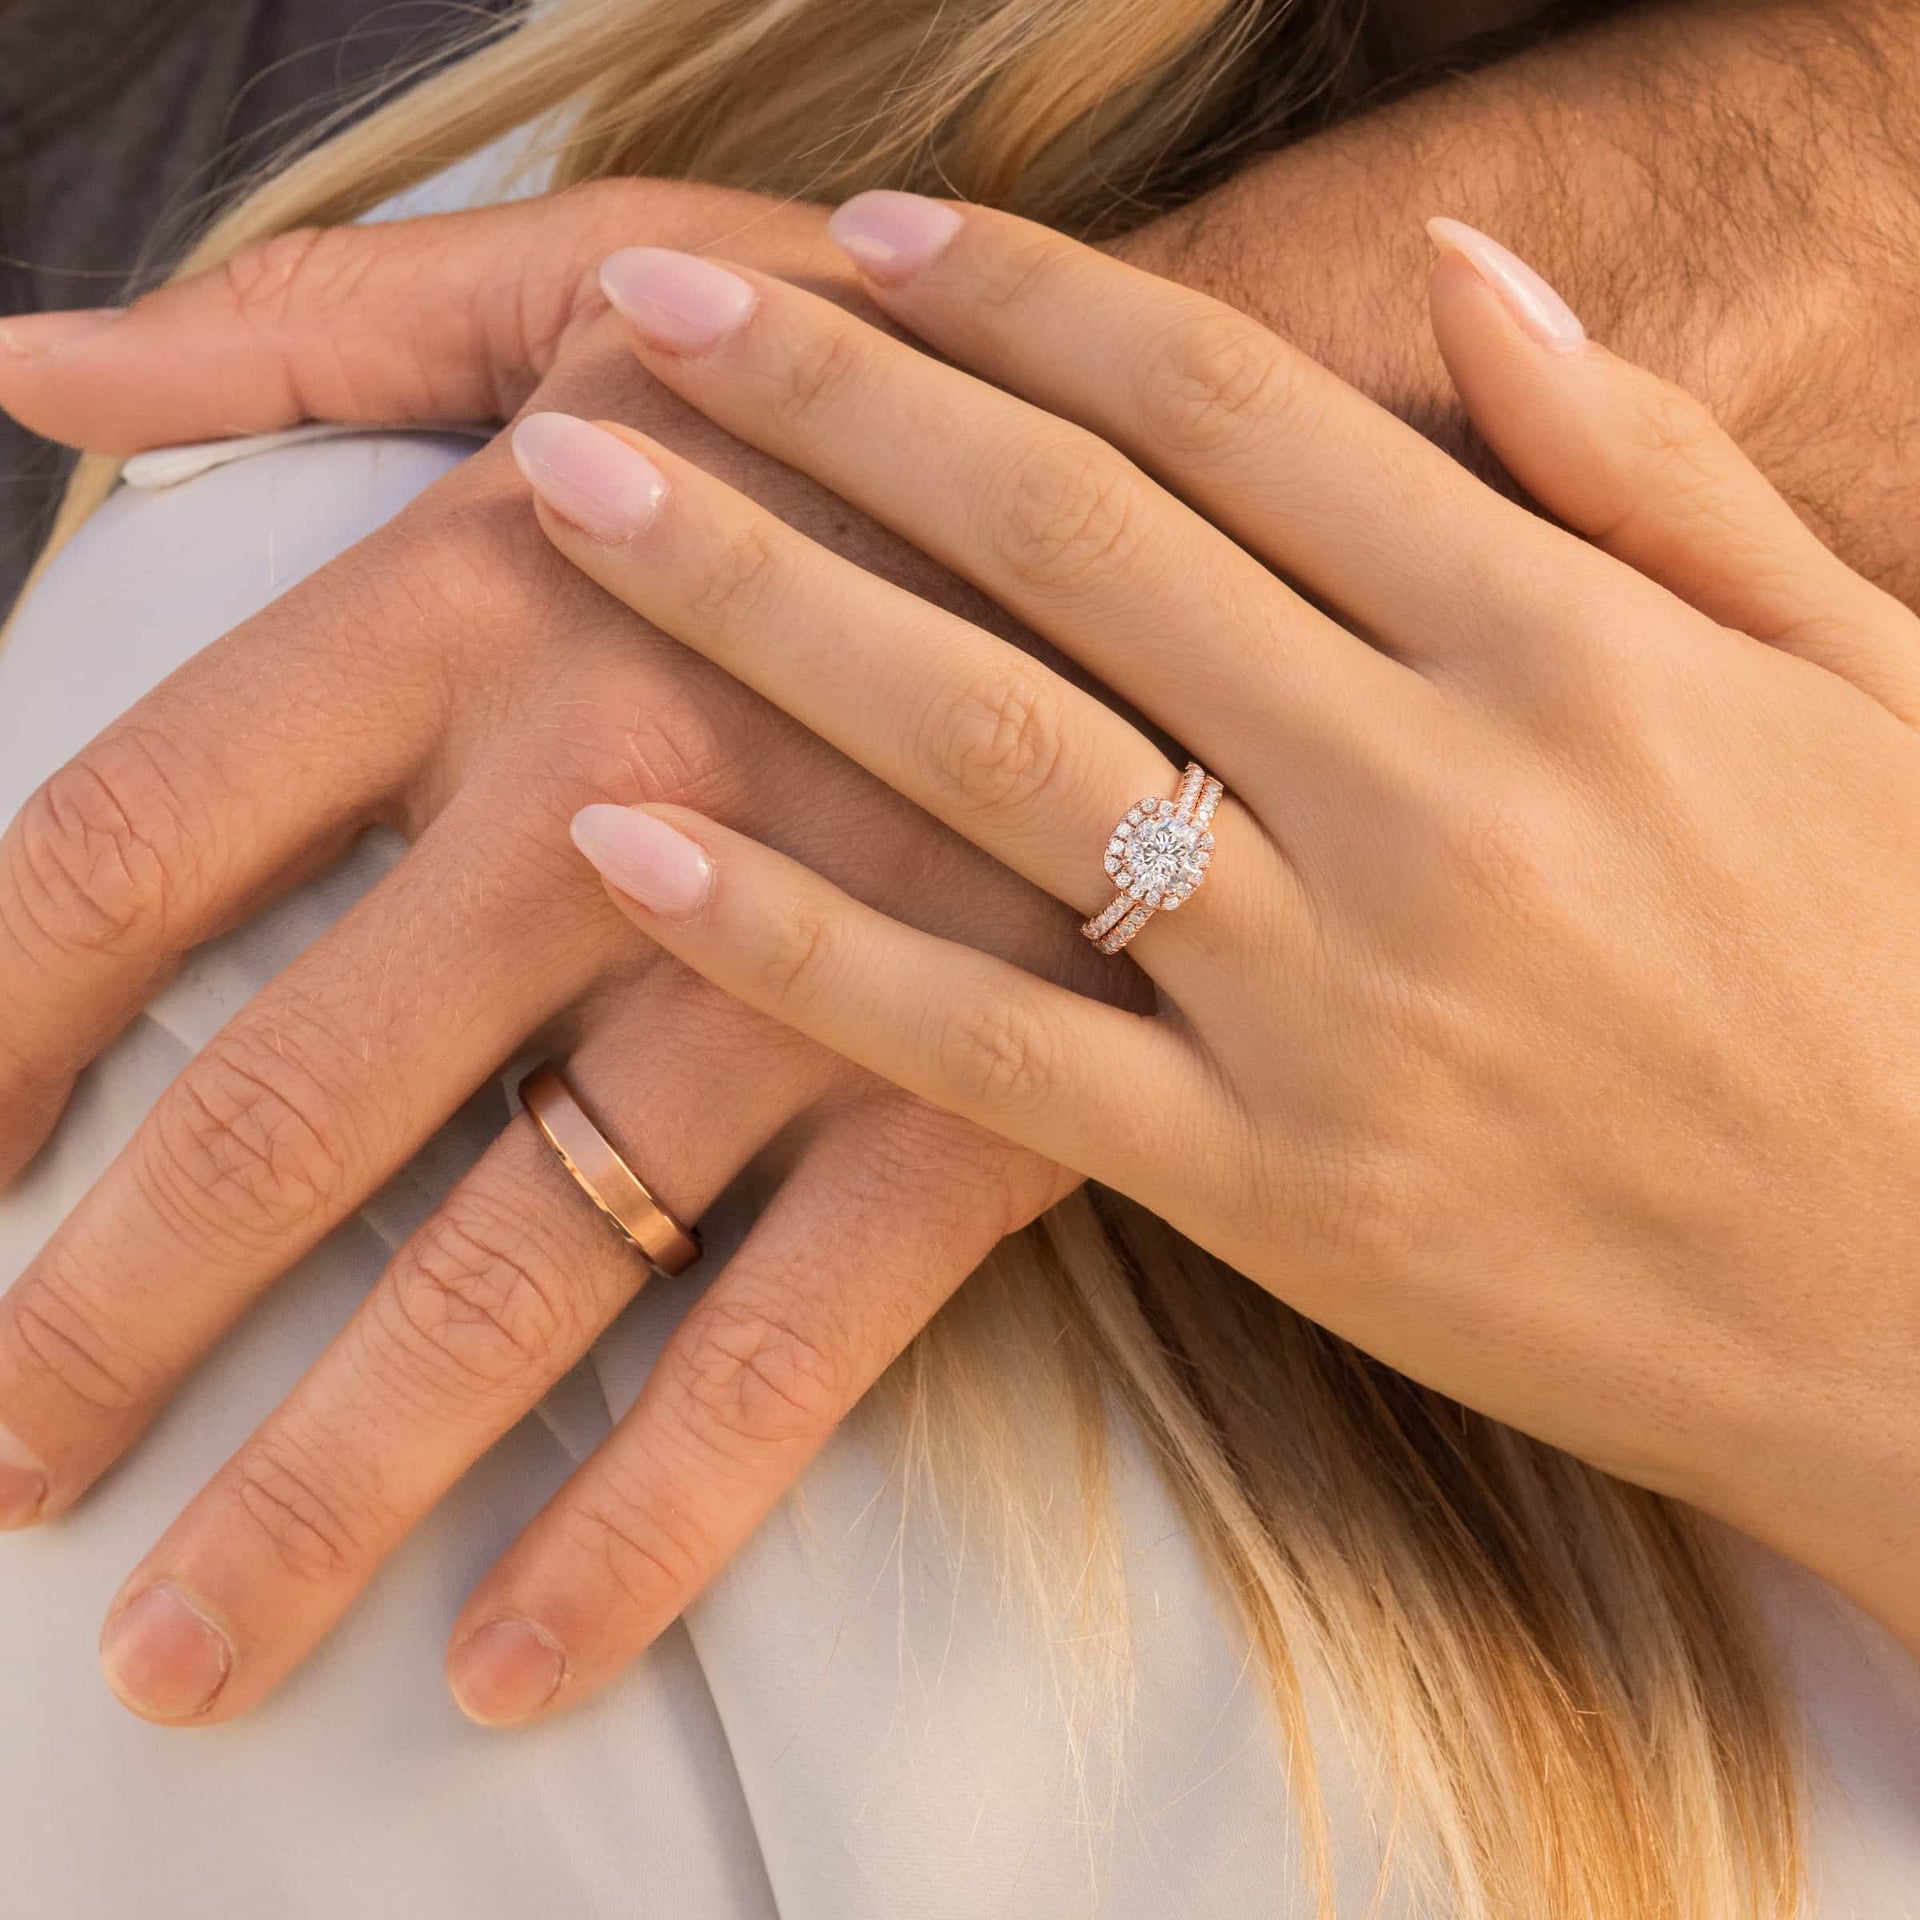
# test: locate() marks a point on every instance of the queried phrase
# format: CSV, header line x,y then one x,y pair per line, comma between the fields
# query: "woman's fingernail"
x,y
893,235
24,1483
1528,298
507,1671
38,336
675,300
164,1657
588,475
664,870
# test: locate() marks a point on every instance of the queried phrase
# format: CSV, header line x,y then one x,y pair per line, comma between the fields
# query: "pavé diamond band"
x,y
1158,856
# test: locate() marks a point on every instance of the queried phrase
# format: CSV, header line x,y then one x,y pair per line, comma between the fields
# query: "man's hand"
x,y
453,677
1727,191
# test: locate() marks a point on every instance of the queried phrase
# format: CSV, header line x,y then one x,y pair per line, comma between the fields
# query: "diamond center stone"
x,y
1161,854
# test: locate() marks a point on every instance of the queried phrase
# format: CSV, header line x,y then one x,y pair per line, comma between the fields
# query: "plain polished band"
x,y
604,1177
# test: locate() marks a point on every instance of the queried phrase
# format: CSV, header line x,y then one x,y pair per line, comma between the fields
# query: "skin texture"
x,y
455,678
1537,1032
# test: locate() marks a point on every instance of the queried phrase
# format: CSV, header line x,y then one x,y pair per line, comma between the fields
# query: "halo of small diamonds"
x,y
1157,857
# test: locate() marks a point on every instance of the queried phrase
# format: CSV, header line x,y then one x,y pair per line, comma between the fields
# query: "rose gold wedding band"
x,y
604,1177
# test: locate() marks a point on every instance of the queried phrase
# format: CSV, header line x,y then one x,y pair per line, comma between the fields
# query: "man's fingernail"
x,y
893,235
1527,297
506,1671
587,475
644,857
38,336
675,300
164,1657
24,1483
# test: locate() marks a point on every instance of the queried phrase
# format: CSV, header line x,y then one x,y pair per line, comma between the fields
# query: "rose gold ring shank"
x,y
603,1176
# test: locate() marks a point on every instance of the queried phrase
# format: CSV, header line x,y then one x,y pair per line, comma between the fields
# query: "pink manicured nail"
x,y
893,235
663,870
23,1483
588,475
38,336
164,1657
676,300
506,1672
1528,298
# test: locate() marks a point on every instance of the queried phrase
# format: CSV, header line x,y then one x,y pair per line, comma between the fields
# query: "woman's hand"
x,y
1548,1022
452,677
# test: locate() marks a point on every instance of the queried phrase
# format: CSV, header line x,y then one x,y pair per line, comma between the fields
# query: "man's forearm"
x,y
1729,193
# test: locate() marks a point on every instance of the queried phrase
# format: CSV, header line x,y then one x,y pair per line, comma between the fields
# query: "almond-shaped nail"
x,y
164,1657
39,336
589,476
1527,297
675,300
506,1672
24,1483
892,235
645,858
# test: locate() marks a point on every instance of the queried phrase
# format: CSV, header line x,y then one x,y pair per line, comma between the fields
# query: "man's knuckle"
x,y
753,1378
481,1305
58,1338
100,848
1000,741
253,1144
281,1494
1212,373
1070,510
652,1563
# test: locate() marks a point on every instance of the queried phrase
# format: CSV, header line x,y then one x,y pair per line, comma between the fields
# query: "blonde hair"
x,y
1574,1716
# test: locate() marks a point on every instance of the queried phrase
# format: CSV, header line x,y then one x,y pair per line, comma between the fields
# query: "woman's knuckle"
x,y
1211,374
752,1378
252,1145
99,849
1070,510
801,956
1021,268
1000,741
284,1503
818,372
998,1053
741,583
